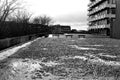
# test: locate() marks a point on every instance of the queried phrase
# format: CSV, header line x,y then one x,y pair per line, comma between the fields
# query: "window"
x,y
113,20
111,1
113,11
108,1
108,21
108,11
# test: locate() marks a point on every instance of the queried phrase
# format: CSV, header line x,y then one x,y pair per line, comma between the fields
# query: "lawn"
x,y
64,59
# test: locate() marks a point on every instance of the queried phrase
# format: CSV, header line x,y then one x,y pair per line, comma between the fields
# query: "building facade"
x,y
115,27
60,29
102,13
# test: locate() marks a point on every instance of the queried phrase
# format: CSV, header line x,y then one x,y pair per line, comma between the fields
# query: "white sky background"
x,y
69,12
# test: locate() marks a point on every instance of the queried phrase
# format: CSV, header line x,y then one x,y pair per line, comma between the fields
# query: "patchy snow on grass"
x,y
45,49
30,65
99,60
94,59
27,66
91,56
73,40
106,55
82,48
9,52
112,63
34,66
94,45
18,64
74,57
79,57
50,63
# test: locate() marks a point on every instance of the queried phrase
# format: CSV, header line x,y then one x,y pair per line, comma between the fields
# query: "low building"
x,y
60,29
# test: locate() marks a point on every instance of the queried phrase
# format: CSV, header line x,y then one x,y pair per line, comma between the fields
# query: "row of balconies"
x,y
102,7
94,3
99,22
99,26
102,17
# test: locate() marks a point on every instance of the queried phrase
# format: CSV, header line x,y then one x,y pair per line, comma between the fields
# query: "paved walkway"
x,y
64,59
8,52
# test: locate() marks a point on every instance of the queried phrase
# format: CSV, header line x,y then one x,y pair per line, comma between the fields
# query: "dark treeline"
x,y
14,29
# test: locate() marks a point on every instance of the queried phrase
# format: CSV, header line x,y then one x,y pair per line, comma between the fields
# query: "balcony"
x,y
100,26
94,3
89,9
101,8
102,17
92,27
104,26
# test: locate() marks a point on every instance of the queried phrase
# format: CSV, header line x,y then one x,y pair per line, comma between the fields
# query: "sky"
x,y
64,12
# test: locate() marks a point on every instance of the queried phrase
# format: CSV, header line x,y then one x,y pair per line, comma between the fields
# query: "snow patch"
x,y
50,63
45,49
74,57
99,60
80,57
34,66
94,45
82,48
72,40
112,63
50,36
106,55
30,65
94,59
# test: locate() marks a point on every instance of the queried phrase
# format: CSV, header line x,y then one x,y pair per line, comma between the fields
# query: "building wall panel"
x,y
115,28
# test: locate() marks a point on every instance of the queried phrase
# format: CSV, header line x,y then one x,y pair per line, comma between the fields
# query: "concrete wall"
x,y
115,27
8,42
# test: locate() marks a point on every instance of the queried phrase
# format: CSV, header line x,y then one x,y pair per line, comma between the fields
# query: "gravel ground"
x,y
64,59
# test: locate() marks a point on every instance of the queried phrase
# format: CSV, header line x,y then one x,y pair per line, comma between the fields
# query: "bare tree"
x,y
45,20
20,17
7,7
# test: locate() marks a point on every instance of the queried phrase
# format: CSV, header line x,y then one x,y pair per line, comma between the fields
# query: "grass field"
x,y
64,59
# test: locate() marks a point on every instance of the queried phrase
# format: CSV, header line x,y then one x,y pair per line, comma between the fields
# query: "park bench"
x,y
69,36
81,36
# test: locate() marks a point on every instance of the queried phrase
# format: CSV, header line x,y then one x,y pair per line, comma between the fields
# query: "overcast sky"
x,y
69,12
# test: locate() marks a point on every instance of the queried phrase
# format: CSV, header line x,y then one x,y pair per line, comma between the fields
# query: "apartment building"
x,y
102,13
